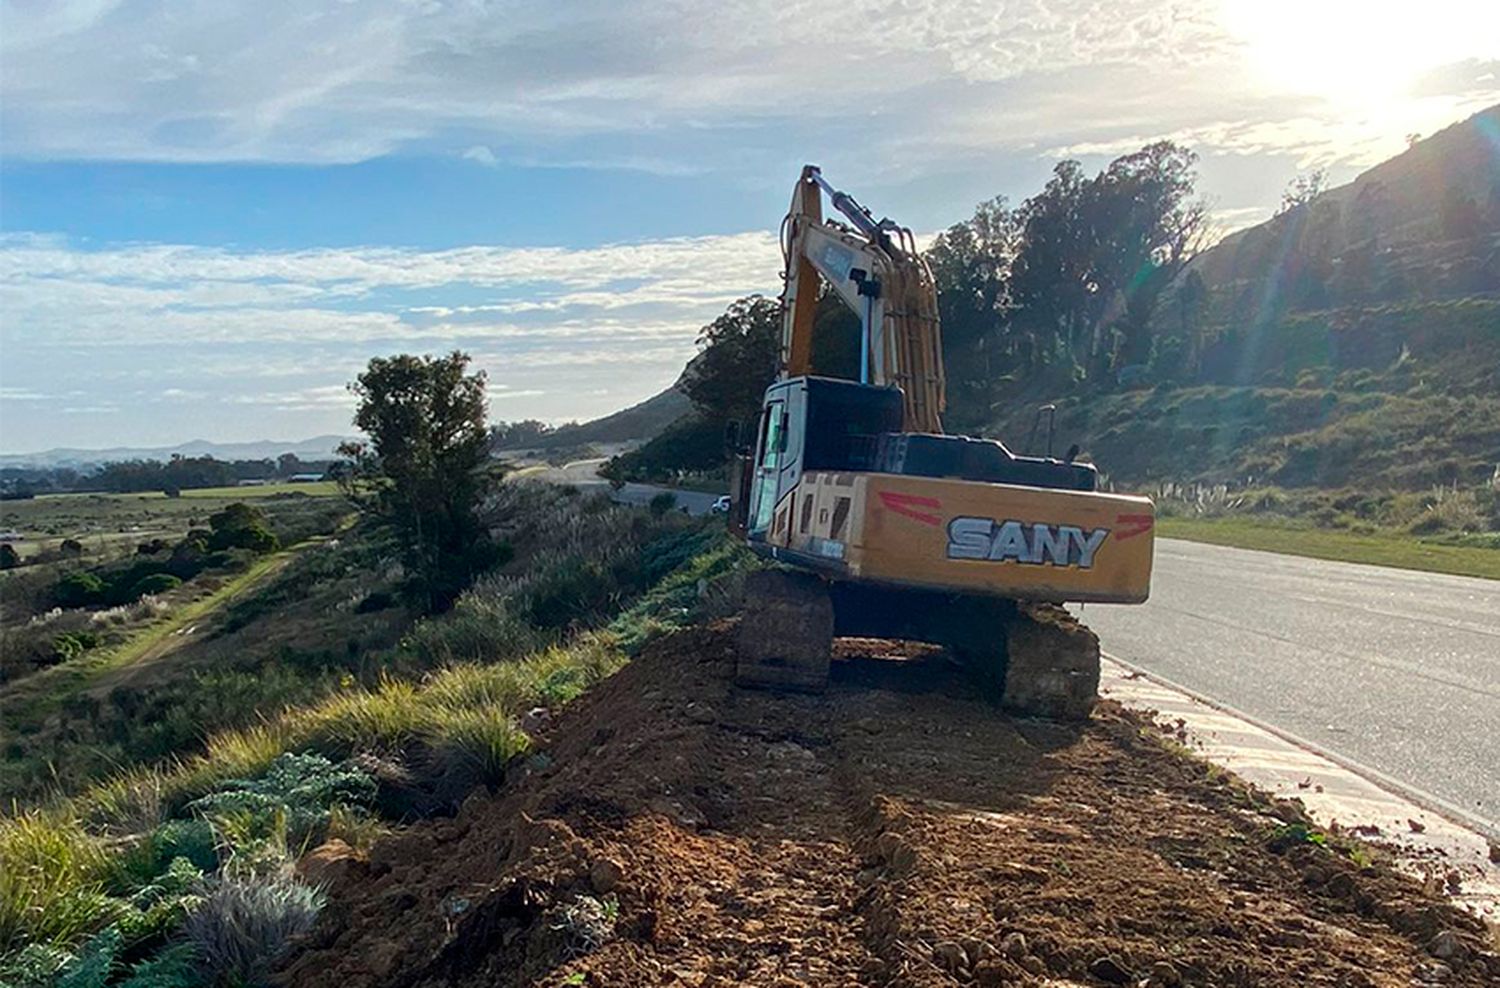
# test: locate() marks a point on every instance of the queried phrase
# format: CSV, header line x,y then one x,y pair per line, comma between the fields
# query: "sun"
x,y
1359,53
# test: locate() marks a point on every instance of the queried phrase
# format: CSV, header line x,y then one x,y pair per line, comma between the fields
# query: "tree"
x,y
737,360
421,469
9,557
1095,255
971,267
240,526
1302,190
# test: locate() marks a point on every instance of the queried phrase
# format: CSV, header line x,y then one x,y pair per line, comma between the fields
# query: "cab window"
x,y
773,440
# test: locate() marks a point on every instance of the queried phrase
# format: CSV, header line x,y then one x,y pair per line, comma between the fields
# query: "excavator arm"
x,y
876,270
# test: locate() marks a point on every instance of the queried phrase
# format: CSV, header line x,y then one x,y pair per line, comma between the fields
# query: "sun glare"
x,y
1359,53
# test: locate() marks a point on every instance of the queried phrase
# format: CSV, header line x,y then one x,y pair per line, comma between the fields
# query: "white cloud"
x,y
677,88
157,321
481,155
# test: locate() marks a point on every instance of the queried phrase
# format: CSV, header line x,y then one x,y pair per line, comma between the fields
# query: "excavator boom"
x,y
876,269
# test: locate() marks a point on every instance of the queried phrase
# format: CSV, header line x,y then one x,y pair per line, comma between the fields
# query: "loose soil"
x,y
671,829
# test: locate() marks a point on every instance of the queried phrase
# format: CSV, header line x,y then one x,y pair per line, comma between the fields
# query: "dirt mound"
x,y
895,831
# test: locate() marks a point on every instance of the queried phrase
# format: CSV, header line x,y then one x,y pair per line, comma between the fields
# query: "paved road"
x,y
582,473
1395,670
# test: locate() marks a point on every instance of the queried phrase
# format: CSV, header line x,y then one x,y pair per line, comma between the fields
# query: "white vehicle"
x,y
721,505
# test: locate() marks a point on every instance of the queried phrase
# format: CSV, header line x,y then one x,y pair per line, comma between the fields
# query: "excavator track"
x,y
1045,661
786,632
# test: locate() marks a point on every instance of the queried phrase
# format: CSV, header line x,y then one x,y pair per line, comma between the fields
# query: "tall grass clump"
x,y
52,879
246,923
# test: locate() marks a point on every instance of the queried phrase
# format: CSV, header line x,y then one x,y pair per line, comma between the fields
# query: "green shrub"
x,y
302,788
52,877
240,526
71,644
9,557
189,840
154,584
571,592
662,503
245,924
78,589
482,740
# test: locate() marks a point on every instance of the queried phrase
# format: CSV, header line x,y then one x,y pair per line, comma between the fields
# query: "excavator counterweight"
x,y
886,525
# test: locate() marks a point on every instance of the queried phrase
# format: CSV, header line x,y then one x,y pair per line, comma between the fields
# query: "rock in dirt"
x,y
977,950
535,720
1014,945
1109,969
605,875
1163,975
950,954
1445,946
329,863
683,814
700,713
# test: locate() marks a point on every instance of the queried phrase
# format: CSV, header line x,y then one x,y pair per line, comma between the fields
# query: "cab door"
x,y
778,464
768,454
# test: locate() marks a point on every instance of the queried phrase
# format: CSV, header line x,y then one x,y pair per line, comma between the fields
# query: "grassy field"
x,y
44,690
107,523
1400,551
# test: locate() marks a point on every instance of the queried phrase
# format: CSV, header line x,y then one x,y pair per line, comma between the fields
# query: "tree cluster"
x,y
132,476
1070,282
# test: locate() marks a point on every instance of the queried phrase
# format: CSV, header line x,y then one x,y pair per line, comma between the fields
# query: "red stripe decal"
x,y
1129,526
906,504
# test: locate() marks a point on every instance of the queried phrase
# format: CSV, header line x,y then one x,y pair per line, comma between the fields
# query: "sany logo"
x,y
1036,543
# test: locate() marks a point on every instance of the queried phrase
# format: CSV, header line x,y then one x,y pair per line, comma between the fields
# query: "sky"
x,y
212,214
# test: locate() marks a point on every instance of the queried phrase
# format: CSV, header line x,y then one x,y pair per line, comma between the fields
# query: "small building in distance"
x,y
304,478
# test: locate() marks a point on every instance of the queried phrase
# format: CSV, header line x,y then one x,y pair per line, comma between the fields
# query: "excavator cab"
x,y
814,423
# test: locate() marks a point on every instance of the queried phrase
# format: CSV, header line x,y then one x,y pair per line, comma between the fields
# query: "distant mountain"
x,y
317,448
641,421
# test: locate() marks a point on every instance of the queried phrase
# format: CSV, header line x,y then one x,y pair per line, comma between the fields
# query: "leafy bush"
x,y
154,584
189,840
240,526
246,923
78,589
71,644
662,503
302,787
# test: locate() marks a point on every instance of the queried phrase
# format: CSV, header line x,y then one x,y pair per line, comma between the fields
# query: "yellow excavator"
x,y
887,526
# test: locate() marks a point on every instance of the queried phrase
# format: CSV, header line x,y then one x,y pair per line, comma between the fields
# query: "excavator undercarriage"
x,y
1035,658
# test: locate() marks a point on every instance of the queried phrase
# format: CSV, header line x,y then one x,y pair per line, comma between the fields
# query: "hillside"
x,y
1353,341
1419,226
640,421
